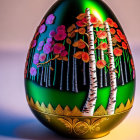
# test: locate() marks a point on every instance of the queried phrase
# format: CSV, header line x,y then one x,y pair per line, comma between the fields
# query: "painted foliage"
x,y
87,54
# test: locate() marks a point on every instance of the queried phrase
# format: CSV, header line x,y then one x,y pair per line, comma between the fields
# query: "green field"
x,y
55,97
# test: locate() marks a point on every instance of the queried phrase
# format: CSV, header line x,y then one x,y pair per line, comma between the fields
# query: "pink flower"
x,y
42,28
33,71
40,46
33,44
61,35
52,33
61,28
42,57
36,56
58,48
47,48
41,43
50,19
64,53
50,41
35,61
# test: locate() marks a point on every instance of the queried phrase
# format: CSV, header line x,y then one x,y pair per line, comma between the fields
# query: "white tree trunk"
x,y
102,55
113,82
89,106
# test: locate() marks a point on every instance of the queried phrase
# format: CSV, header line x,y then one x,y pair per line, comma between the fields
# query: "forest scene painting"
x,y
86,55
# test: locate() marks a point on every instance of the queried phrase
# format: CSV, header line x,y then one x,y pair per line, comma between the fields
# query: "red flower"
x,y
117,51
102,34
101,64
61,28
132,63
103,46
117,38
58,48
85,57
80,23
120,34
84,20
93,20
124,46
110,22
112,31
61,35
64,53
115,25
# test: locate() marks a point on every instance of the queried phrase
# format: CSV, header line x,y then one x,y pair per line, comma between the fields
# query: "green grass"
x,y
55,97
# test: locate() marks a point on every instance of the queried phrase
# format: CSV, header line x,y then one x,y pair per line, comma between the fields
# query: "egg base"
x,y
81,126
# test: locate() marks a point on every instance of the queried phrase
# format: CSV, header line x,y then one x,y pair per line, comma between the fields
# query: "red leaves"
x,y
93,19
78,55
80,44
132,64
101,64
101,34
117,51
103,46
85,57
82,55
80,23
112,31
111,23
117,38
124,46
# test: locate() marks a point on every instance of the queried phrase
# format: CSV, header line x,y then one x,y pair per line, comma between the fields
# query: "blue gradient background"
x,y
18,21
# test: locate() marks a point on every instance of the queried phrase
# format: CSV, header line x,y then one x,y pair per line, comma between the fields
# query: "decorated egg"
x,y
79,73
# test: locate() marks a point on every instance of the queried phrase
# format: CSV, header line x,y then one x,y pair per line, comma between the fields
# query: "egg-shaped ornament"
x,y
79,73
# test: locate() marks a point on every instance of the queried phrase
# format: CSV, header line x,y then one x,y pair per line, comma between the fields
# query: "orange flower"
x,y
117,38
117,51
101,64
124,46
81,16
82,31
103,46
78,55
96,25
112,31
64,58
85,57
81,44
71,34
68,41
75,44
101,34
70,29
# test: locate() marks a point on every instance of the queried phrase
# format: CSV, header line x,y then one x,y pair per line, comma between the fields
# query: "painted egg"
x,y
79,73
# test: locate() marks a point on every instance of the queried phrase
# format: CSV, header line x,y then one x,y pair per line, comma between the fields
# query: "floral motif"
x,y
102,34
58,48
42,57
61,33
50,19
42,28
117,51
33,71
33,44
52,33
47,48
101,64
